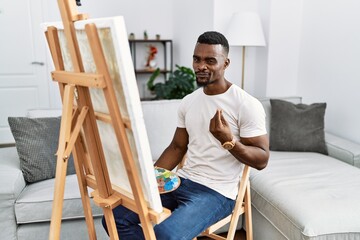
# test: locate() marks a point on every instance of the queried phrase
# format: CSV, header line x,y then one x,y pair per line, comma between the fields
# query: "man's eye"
x,y
211,61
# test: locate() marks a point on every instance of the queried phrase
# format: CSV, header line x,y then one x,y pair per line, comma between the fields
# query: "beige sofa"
x,y
278,192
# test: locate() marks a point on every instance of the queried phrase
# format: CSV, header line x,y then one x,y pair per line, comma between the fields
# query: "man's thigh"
x,y
198,208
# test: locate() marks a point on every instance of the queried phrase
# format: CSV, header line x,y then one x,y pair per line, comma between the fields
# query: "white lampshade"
x,y
245,30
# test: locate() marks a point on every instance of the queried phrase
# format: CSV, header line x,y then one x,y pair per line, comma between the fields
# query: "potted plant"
x,y
180,83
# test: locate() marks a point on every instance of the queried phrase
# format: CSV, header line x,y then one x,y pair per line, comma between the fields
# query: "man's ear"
x,y
227,62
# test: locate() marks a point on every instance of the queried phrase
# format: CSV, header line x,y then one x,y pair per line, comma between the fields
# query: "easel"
x,y
79,133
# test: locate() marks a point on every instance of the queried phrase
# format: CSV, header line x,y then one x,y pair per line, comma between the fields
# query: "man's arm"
x,y
250,151
175,152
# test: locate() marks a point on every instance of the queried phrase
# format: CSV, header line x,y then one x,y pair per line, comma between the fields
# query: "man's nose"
x,y
202,66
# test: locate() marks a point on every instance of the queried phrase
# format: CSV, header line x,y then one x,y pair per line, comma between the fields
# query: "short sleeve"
x,y
252,119
181,115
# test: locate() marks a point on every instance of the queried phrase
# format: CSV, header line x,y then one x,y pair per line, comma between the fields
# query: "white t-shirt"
x,y
208,163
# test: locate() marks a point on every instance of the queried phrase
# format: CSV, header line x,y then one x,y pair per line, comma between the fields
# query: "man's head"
x,y
214,38
210,58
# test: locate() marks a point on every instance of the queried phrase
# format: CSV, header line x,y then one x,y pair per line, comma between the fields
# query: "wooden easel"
x,y
79,134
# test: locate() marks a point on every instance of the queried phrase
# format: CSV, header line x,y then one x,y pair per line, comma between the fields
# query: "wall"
x,y
140,15
329,62
190,19
283,47
312,52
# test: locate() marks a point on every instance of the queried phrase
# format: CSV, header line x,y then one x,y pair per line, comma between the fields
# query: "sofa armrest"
x,y
342,149
11,184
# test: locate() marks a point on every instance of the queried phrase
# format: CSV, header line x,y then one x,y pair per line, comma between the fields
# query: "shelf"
x,y
146,71
167,48
139,47
149,40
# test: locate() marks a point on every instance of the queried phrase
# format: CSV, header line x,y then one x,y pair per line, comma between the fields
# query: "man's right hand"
x,y
219,127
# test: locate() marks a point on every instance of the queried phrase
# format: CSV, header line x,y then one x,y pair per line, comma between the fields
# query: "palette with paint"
x,y
167,181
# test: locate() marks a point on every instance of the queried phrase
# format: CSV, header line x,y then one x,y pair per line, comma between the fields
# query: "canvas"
x,y
114,41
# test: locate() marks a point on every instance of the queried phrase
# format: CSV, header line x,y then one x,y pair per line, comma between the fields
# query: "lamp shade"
x,y
245,30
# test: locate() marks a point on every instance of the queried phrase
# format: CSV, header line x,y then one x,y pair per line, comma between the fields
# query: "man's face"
x,y
209,63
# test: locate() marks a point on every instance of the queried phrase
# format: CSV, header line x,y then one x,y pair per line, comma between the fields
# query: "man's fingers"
x,y
220,116
218,122
214,121
212,124
222,119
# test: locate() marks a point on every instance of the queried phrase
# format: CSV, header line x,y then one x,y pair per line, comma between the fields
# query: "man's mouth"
x,y
202,75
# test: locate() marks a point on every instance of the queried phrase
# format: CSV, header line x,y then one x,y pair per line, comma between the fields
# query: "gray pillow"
x,y
36,143
297,127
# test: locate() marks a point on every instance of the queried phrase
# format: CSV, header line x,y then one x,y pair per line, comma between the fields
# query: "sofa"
x,y
299,195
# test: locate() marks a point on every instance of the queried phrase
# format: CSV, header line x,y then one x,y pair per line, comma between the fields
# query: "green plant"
x,y
180,83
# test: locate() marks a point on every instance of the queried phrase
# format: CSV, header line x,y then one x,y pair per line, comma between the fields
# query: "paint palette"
x,y
167,181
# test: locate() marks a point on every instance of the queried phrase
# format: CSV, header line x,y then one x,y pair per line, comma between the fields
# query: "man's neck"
x,y
217,87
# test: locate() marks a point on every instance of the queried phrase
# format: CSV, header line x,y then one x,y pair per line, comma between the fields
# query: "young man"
x,y
220,128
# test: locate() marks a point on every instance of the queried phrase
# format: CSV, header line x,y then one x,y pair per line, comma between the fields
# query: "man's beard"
x,y
202,84
205,80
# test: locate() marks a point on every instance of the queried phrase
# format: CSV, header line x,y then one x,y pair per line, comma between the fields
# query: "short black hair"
x,y
213,37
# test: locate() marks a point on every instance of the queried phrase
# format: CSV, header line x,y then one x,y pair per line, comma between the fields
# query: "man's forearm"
x,y
170,158
254,157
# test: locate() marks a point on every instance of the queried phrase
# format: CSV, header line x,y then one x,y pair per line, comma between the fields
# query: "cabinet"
x,y
164,56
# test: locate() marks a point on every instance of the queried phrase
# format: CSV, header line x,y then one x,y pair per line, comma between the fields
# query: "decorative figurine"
x,y
150,61
132,36
145,35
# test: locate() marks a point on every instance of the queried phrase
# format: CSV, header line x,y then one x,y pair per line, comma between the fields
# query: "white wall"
x,y
314,52
139,15
329,62
284,47
190,19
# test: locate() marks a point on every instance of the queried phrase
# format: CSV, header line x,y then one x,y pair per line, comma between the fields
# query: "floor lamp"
x,y
245,30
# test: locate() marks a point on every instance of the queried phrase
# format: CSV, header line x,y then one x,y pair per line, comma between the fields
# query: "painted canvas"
x,y
114,41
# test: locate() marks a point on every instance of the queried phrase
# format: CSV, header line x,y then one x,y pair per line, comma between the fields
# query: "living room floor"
x,y
239,235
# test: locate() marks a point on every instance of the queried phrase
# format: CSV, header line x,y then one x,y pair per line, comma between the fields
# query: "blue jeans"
x,y
194,208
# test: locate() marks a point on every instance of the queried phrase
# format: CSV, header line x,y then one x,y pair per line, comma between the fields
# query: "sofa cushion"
x,y
297,127
267,107
37,142
34,204
308,196
71,229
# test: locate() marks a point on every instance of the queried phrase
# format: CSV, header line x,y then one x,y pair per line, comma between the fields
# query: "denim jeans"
x,y
194,208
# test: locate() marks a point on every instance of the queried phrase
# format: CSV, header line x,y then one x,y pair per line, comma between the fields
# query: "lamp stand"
x,y
243,67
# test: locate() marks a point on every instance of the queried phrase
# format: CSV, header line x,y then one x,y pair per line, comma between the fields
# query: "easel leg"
x,y
61,164
248,215
79,158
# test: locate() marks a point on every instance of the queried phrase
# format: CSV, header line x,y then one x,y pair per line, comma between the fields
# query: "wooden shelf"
x,y
168,60
148,71
141,72
149,40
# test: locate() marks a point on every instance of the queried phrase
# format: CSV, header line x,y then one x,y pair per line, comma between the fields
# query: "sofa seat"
x,y
34,204
307,196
